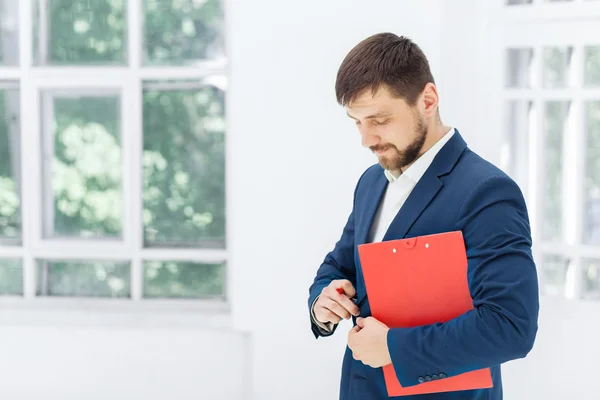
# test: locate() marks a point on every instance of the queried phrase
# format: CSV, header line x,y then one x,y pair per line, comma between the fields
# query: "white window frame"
x,y
128,81
538,25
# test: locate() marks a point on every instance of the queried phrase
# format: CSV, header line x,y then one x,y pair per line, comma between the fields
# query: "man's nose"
x,y
368,138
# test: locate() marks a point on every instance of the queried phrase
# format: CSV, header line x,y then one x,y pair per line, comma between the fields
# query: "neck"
x,y
434,134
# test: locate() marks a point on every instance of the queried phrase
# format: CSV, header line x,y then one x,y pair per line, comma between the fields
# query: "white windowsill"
x,y
116,313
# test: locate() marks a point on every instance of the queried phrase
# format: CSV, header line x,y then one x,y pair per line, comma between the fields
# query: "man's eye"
x,y
380,122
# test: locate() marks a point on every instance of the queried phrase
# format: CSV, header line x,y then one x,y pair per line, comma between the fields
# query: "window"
x,y
184,178
551,99
10,182
11,277
82,165
9,33
171,31
80,32
112,179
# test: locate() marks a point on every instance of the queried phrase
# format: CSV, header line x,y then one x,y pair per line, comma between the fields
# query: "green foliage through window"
x,y
9,33
183,280
83,279
554,268
184,167
11,277
80,32
591,279
10,203
86,167
178,32
556,66
555,117
592,66
591,223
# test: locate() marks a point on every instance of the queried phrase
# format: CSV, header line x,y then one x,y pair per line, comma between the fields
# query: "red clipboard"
x,y
420,281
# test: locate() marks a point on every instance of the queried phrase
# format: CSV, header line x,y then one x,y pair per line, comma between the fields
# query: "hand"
x,y
368,342
332,306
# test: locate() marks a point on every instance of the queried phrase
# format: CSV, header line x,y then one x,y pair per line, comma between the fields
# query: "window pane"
x,y
555,118
519,68
79,32
11,277
10,177
519,116
557,61
83,279
182,31
183,280
591,217
82,166
591,279
555,269
9,32
184,167
592,66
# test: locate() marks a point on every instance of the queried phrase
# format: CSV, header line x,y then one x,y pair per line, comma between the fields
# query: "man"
x,y
426,181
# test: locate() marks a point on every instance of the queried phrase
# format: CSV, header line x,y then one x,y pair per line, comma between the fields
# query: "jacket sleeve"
x,y
503,284
338,264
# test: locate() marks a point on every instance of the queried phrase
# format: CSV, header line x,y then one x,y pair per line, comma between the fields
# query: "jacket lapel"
x,y
377,189
426,189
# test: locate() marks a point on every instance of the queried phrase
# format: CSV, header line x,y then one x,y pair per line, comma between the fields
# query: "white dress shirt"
x,y
398,190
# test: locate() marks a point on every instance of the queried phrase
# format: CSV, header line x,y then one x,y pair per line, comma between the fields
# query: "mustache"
x,y
382,147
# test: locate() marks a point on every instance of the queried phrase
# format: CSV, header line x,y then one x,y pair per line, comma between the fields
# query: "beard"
x,y
408,155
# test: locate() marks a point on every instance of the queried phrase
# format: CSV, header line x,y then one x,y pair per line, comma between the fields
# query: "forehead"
x,y
380,101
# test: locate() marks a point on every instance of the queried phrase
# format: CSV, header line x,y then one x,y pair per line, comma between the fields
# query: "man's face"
x,y
390,128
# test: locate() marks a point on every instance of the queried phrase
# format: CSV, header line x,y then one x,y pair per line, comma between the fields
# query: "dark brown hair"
x,y
383,59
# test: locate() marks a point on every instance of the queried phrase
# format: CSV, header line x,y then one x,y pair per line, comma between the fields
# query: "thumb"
x,y
360,322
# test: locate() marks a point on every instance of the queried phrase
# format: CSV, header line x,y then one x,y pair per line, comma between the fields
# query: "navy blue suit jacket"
x,y
459,191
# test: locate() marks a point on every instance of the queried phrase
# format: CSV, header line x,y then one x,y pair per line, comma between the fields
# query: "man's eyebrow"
x,y
377,115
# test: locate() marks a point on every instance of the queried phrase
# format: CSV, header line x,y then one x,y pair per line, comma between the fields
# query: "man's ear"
x,y
430,101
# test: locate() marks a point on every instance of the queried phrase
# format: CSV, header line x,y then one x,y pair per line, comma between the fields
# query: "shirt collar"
x,y
418,168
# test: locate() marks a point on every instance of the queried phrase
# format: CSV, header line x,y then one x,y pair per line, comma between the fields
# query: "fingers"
x,y
348,305
332,306
352,343
325,315
346,286
360,322
335,307
351,337
329,310
342,299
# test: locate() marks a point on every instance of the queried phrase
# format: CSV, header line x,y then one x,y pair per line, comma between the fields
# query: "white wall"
x,y
462,76
295,158
79,354
563,362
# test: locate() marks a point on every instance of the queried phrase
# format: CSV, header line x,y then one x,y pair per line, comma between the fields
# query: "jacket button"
x,y
421,379
428,378
434,377
442,375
